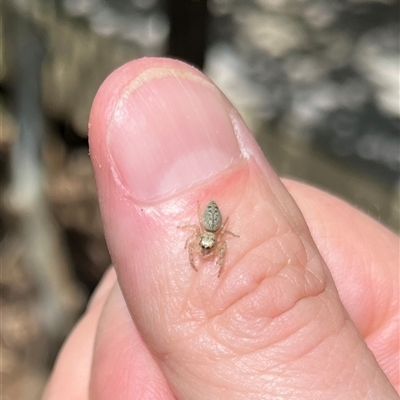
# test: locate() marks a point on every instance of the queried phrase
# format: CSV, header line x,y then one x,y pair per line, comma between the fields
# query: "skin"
x,y
307,304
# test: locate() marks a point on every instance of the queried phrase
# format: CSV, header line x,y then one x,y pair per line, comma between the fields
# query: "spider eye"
x,y
207,241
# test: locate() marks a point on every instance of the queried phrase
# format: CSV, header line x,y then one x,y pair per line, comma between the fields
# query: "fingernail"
x,y
170,130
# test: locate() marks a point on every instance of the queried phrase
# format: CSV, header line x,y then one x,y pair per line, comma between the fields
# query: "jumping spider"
x,y
207,240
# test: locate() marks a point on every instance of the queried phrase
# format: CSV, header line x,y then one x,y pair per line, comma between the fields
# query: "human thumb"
x,y
165,142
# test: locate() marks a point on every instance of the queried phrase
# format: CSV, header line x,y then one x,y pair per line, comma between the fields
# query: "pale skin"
x,y
306,305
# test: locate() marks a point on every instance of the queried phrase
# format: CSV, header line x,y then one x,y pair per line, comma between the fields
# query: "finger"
x,y
363,257
103,288
163,138
122,367
71,373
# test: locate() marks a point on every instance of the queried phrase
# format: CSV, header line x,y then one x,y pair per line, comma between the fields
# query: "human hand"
x,y
273,325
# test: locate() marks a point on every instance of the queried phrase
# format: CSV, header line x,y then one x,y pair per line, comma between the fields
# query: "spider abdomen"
x,y
211,218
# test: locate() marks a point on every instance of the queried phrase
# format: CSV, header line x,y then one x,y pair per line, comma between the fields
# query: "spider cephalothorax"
x,y
207,238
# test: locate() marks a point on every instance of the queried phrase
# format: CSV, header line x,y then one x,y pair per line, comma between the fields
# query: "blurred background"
x,y
316,80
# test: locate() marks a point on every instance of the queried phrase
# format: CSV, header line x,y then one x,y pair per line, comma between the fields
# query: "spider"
x,y
206,241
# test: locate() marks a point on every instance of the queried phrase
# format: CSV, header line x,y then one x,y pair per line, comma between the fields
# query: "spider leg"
x,y
191,255
198,213
223,232
221,257
222,226
210,254
229,233
191,237
190,227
